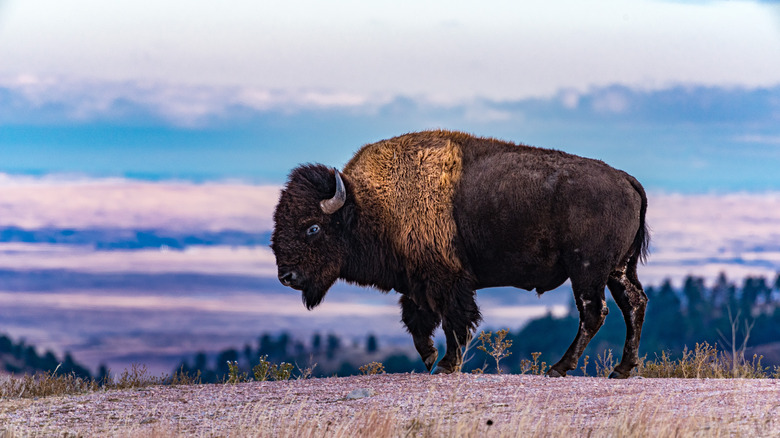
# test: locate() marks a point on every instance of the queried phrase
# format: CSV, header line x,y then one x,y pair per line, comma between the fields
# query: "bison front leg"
x,y
459,321
420,323
593,310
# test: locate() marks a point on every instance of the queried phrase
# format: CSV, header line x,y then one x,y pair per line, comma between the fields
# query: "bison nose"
x,y
288,277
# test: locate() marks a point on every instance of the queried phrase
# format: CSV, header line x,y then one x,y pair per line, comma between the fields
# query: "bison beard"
x,y
437,215
313,294
313,297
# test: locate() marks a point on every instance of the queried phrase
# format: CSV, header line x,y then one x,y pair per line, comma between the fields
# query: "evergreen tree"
x,y
697,309
102,375
372,344
316,343
6,345
334,343
752,289
720,294
249,355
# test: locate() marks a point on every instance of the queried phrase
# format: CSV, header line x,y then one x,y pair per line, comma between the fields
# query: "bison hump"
x,y
406,184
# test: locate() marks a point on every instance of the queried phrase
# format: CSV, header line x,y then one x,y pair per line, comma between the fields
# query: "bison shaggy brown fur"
x,y
436,215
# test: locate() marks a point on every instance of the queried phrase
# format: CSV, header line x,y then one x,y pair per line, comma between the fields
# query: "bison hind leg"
x,y
632,301
589,297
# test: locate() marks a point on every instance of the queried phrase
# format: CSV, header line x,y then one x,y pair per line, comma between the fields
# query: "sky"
x,y
352,51
685,95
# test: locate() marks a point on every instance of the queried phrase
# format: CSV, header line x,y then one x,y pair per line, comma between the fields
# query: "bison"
x,y
436,215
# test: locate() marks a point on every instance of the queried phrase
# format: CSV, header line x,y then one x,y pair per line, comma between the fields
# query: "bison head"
x,y
309,227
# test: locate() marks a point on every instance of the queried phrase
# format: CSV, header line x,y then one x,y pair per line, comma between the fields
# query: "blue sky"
x,y
684,95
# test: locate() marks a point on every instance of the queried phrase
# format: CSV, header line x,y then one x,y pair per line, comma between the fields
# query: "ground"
x,y
416,404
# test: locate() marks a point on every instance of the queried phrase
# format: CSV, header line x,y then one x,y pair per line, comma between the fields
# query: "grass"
x,y
53,383
705,361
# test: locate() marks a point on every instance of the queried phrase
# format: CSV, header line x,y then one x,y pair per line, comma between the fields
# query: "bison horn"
x,y
332,205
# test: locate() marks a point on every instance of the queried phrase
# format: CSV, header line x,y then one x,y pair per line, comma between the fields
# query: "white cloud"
x,y
437,49
212,260
30,202
759,138
611,101
81,100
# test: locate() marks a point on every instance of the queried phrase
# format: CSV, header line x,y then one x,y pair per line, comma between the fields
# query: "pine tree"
x,y
371,344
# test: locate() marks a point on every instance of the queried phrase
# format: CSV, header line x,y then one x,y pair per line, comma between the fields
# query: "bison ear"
x,y
332,205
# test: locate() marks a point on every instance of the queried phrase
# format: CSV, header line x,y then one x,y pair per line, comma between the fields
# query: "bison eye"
x,y
314,229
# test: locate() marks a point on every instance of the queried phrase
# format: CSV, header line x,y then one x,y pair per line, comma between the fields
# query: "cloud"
x,y
59,99
758,138
218,260
612,101
509,51
55,100
37,202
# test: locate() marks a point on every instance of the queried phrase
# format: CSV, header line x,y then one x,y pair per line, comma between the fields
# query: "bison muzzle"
x,y
437,215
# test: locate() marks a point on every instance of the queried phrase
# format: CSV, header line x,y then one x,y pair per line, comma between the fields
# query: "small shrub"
x,y
266,370
605,363
372,368
283,371
261,371
307,372
136,377
533,367
497,347
183,377
480,370
234,373
584,367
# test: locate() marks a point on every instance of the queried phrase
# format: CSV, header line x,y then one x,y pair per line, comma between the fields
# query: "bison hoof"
x,y
615,374
555,373
430,361
441,370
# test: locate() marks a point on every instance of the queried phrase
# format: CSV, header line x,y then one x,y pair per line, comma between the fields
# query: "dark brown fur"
x,y
437,215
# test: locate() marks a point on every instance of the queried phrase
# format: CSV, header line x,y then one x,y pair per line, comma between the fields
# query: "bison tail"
x,y
641,246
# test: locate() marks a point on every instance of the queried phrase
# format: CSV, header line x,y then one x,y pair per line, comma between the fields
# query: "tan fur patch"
x,y
410,181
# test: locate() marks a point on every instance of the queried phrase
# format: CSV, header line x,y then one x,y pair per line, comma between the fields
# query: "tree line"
x,y
21,358
676,318
723,313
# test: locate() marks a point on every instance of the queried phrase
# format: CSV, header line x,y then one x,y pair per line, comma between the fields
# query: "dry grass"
x,y
50,384
703,393
705,361
413,405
